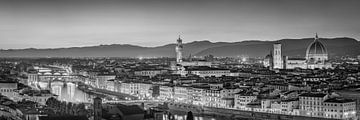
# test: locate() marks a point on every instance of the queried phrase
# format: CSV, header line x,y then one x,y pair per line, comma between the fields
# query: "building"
x,y
8,89
316,52
145,90
292,63
315,79
203,71
311,104
268,61
277,57
113,84
101,80
181,94
196,94
300,87
288,105
339,108
316,57
351,94
196,63
179,50
166,92
149,72
212,98
40,97
141,90
278,86
97,108
126,88
33,77
243,98
271,104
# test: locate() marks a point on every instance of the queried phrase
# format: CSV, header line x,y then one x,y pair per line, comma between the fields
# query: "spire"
x,y
179,39
316,36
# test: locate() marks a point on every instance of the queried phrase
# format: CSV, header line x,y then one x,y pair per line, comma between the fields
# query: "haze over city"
x,y
59,23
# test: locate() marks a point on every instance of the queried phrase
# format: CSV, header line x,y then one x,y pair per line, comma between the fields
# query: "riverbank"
x,y
233,114
104,93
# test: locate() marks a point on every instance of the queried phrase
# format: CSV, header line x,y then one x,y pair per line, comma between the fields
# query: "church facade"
x,y
316,57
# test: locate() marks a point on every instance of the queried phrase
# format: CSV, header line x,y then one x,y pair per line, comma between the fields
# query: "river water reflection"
x,y
69,92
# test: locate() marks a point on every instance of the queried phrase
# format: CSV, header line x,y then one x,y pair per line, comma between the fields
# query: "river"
x,y
69,92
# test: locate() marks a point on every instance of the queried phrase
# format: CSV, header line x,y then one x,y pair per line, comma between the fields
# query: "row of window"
x,y
7,90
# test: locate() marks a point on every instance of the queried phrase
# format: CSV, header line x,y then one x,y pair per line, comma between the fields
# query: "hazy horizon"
x,y
66,23
174,42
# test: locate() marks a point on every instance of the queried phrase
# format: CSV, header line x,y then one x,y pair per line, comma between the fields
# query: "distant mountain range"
x,y
291,47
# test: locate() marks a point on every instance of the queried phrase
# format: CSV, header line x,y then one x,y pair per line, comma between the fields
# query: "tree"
x,y
69,108
51,102
190,116
63,107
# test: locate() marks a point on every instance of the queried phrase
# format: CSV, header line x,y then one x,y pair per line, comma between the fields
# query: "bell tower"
x,y
277,57
178,50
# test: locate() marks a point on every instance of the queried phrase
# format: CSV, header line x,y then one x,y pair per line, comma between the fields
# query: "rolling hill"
x,y
252,48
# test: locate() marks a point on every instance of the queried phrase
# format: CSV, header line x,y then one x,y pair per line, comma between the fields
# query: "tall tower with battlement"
x,y
178,50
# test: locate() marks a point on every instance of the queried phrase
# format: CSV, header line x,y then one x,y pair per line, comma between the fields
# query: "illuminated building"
x,y
288,105
243,98
102,78
181,94
141,90
8,89
149,72
179,50
339,108
316,57
277,57
56,87
33,77
71,90
207,71
166,92
311,104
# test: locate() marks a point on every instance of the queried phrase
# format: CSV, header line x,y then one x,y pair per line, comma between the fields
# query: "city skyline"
x,y
62,24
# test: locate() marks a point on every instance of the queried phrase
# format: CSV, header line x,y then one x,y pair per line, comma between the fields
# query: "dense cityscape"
x,y
183,88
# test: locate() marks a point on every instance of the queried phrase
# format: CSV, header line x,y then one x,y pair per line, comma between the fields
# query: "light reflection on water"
x,y
70,93
183,117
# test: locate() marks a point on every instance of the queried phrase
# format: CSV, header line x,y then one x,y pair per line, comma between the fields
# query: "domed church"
x,y
316,52
316,57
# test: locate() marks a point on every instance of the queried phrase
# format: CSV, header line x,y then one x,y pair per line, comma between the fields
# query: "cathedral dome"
x,y
316,52
316,47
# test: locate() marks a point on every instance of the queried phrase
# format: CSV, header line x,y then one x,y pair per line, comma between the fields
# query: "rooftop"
x,y
203,68
339,100
313,94
63,118
296,59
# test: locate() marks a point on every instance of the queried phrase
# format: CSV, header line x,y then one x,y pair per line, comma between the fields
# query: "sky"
x,y
75,23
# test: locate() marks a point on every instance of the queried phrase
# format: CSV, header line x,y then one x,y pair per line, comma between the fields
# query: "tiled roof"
x,y
313,95
339,100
